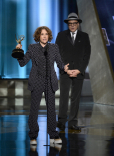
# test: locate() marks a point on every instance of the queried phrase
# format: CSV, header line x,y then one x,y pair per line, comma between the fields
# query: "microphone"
x,y
45,52
46,49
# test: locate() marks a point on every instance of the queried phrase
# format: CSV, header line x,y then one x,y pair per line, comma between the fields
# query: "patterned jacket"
x,y
34,55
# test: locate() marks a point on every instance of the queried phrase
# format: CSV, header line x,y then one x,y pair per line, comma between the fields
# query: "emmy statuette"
x,y
18,53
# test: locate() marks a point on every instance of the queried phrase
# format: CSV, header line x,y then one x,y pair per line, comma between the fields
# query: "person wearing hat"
x,y
75,49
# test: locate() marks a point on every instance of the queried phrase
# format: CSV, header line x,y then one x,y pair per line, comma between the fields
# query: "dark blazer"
x,y
77,54
34,54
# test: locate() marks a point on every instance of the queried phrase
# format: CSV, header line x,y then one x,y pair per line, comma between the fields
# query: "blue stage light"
x,y
22,17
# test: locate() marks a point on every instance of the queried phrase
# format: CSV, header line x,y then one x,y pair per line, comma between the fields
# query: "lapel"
x,y
49,52
38,53
78,37
69,36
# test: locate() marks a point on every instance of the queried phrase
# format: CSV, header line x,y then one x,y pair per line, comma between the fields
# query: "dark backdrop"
x,y
105,10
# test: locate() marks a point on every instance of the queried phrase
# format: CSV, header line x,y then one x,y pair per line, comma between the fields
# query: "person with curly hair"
x,y
42,78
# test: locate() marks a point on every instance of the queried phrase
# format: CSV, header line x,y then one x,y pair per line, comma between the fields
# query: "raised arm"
x,y
24,60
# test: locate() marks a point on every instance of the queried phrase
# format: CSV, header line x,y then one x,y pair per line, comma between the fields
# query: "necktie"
x,y
73,37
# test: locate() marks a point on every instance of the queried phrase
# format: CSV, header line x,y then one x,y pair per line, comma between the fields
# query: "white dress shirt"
x,y
74,34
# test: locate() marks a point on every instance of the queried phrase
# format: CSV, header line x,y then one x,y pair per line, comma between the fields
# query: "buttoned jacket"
x,y
77,54
34,54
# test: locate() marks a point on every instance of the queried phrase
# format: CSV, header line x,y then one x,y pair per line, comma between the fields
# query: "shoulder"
x,y
62,32
83,33
34,44
53,45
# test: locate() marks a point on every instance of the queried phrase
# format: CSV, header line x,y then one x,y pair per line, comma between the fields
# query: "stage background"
x,y
105,10
22,17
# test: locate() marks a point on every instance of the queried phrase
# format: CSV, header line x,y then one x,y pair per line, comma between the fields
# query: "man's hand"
x,y
66,67
73,73
70,73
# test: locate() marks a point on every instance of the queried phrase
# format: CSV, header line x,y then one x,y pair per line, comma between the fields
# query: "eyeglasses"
x,y
74,24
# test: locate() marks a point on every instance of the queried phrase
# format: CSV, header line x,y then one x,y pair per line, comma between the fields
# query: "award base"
x,y
17,53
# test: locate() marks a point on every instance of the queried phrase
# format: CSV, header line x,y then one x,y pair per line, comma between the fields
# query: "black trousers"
x,y
76,86
42,85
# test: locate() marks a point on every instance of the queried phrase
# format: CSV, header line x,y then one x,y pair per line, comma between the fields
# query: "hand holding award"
x,y
18,52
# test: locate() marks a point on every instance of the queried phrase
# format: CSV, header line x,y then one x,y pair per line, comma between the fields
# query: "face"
x,y
44,36
73,25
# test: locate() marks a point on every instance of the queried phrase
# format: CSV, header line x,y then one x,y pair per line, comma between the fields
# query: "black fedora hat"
x,y
73,16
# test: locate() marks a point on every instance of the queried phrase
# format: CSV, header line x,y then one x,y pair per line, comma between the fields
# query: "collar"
x,y
43,48
74,32
41,45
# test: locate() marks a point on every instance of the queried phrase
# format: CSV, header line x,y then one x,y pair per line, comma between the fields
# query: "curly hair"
x,y
37,33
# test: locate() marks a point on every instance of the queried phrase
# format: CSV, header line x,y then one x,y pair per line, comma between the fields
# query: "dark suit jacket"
x,y
77,54
34,54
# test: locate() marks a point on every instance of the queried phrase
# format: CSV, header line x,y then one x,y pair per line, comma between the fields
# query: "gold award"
x,y
18,53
